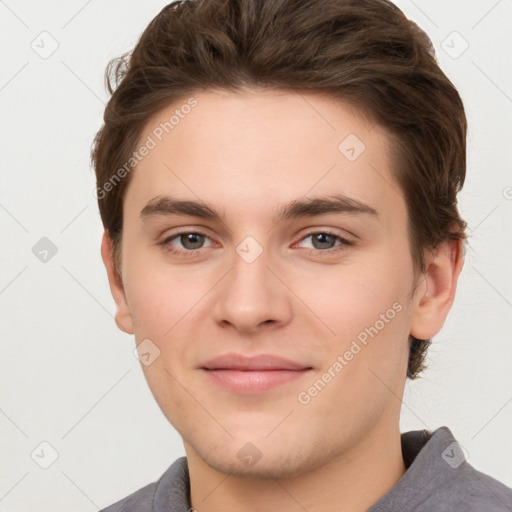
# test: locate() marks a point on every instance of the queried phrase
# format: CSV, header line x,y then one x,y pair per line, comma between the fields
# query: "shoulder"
x,y
454,484
440,479
476,491
139,501
169,493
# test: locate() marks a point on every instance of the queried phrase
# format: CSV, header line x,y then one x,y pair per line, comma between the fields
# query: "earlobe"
x,y
123,317
436,293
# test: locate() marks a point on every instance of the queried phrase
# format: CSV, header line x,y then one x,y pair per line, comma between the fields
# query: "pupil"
x,y
322,239
195,240
192,240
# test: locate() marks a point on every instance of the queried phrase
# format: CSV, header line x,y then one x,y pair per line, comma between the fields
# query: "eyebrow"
x,y
335,204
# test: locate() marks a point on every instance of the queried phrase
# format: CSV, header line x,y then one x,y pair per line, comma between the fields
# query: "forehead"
x,y
248,148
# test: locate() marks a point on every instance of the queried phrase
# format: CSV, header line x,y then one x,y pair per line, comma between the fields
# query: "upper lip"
x,y
259,362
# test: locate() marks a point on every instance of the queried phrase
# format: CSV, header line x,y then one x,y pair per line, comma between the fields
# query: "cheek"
x,y
368,307
364,364
351,297
164,383
160,296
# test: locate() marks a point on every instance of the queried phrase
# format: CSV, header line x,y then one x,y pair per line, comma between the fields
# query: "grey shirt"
x,y
438,479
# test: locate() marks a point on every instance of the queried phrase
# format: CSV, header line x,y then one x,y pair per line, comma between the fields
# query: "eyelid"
x,y
344,242
166,240
333,231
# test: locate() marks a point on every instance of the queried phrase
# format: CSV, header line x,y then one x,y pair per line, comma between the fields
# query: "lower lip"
x,y
253,381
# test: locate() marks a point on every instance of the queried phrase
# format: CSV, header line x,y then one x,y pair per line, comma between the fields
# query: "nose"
x,y
251,297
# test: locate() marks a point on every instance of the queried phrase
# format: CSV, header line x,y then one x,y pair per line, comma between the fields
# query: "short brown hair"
x,y
365,52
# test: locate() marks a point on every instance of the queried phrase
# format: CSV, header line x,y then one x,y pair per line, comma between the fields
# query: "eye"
x,y
190,241
325,241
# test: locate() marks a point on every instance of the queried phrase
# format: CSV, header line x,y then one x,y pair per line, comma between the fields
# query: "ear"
x,y
436,291
123,316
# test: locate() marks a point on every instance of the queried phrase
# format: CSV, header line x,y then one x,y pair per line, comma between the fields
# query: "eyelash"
x,y
344,243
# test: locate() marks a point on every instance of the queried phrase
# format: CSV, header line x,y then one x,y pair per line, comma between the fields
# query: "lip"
x,y
260,362
252,375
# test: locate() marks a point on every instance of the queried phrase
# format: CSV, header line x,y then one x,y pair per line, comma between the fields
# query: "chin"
x,y
268,464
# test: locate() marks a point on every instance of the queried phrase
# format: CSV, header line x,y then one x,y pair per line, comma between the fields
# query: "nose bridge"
x,y
251,293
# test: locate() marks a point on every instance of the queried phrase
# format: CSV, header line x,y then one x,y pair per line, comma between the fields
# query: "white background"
x,y
69,376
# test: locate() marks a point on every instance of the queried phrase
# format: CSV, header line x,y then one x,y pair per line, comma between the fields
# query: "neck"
x,y
353,480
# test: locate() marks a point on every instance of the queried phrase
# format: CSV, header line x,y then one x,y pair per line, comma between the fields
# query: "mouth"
x,y
252,375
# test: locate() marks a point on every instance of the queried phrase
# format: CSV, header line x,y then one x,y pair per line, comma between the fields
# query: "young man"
x,y
277,180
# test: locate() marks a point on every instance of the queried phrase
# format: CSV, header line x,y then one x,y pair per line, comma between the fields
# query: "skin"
x,y
246,154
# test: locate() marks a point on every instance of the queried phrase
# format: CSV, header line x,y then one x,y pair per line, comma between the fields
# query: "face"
x,y
297,249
